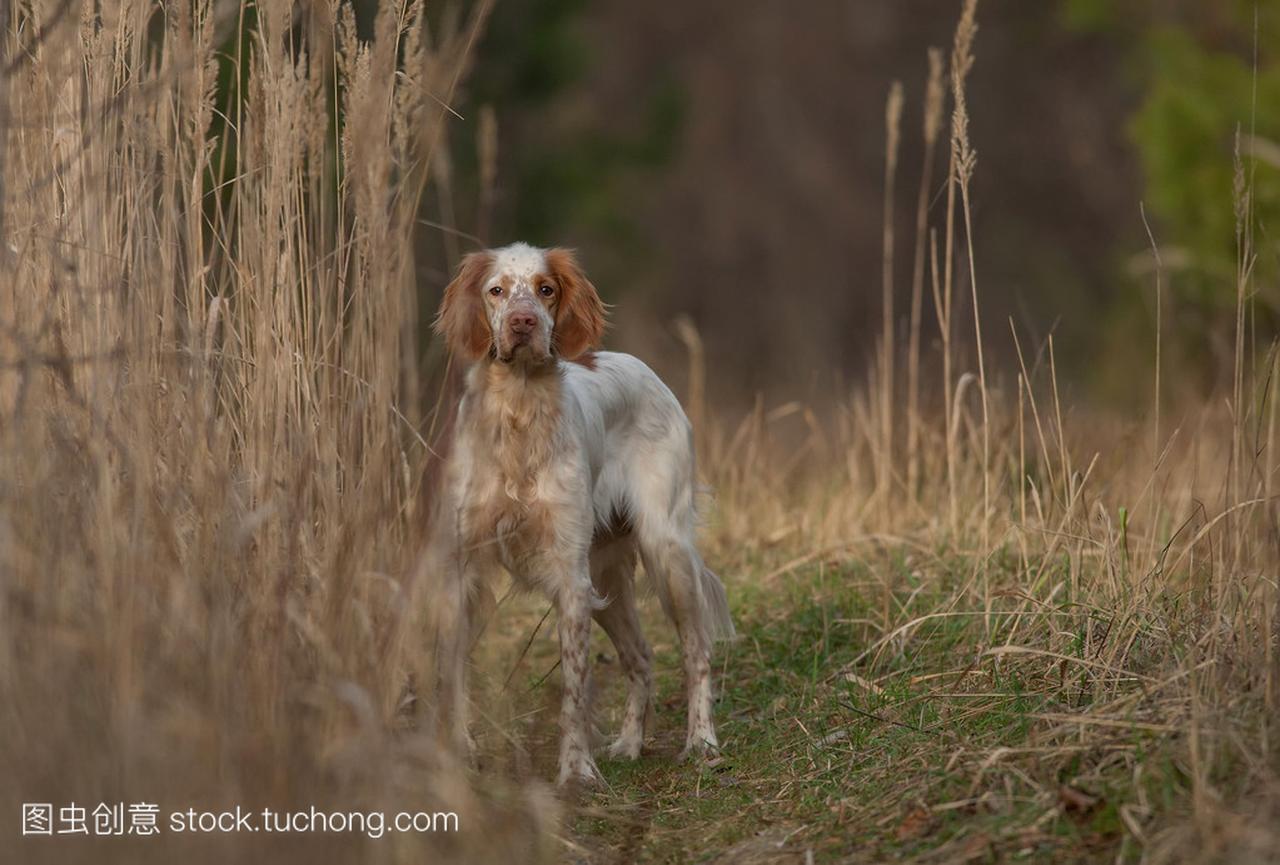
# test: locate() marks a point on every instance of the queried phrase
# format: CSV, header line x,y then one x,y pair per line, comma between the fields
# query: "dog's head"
x,y
521,304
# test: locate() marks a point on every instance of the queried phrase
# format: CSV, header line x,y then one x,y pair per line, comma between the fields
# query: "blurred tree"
x,y
1199,104
1195,68
563,171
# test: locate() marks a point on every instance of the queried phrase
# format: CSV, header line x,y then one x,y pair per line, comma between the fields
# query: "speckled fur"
x,y
566,474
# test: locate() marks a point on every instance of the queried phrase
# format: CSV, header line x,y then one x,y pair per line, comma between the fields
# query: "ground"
x,y
841,746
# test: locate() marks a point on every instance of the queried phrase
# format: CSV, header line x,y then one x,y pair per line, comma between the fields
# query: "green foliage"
x,y
530,54
1199,106
1198,110
578,183
1089,14
580,178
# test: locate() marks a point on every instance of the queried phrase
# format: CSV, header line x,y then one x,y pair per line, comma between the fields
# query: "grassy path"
x,y
840,746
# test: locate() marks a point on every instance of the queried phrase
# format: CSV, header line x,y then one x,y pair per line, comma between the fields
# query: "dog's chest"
x,y
516,531
517,483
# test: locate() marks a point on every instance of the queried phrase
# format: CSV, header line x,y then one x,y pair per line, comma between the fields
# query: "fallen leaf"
x,y
917,823
1076,800
976,847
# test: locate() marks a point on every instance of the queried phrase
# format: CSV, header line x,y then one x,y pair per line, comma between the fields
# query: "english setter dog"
x,y
567,465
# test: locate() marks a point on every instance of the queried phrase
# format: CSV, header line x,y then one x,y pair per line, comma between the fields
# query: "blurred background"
x,y
725,160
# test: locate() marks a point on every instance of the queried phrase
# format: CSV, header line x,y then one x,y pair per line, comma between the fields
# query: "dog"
x,y
568,465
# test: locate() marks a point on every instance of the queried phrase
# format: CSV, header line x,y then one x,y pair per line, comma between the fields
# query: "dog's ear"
x,y
580,314
462,320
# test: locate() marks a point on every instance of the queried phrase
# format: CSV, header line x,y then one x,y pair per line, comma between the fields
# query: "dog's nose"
x,y
522,323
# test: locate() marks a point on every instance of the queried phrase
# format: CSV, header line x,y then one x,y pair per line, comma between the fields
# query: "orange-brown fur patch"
x,y
517,415
580,314
462,320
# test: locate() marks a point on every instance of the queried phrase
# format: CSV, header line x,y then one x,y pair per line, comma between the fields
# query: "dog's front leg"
x,y
574,609
452,626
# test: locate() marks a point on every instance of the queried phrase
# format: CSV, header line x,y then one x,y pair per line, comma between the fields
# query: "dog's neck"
x,y
517,414
518,383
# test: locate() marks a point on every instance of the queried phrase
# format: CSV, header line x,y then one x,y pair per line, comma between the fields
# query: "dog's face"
x,y
521,305
520,299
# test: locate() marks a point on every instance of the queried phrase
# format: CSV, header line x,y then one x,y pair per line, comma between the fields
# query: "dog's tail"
x,y
715,605
713,617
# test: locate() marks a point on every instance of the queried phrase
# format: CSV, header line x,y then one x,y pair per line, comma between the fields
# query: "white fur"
x,y
614,479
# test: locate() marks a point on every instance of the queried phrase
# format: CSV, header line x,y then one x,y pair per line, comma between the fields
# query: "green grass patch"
x,y
860,723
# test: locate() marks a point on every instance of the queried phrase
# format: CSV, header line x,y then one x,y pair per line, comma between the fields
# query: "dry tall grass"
x,y
209,503
211,452
1126,565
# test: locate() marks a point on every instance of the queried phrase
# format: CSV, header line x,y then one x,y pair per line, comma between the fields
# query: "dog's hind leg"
x,y
613,565
676,569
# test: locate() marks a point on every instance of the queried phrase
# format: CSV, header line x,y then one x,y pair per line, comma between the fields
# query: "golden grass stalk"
x,y
893,127
932,124
964,159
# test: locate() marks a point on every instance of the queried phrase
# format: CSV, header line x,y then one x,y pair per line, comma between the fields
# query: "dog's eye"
x,y
496,290
546,290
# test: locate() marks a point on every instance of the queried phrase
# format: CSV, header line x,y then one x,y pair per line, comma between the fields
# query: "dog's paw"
x,y
579,773
625,747
698,748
